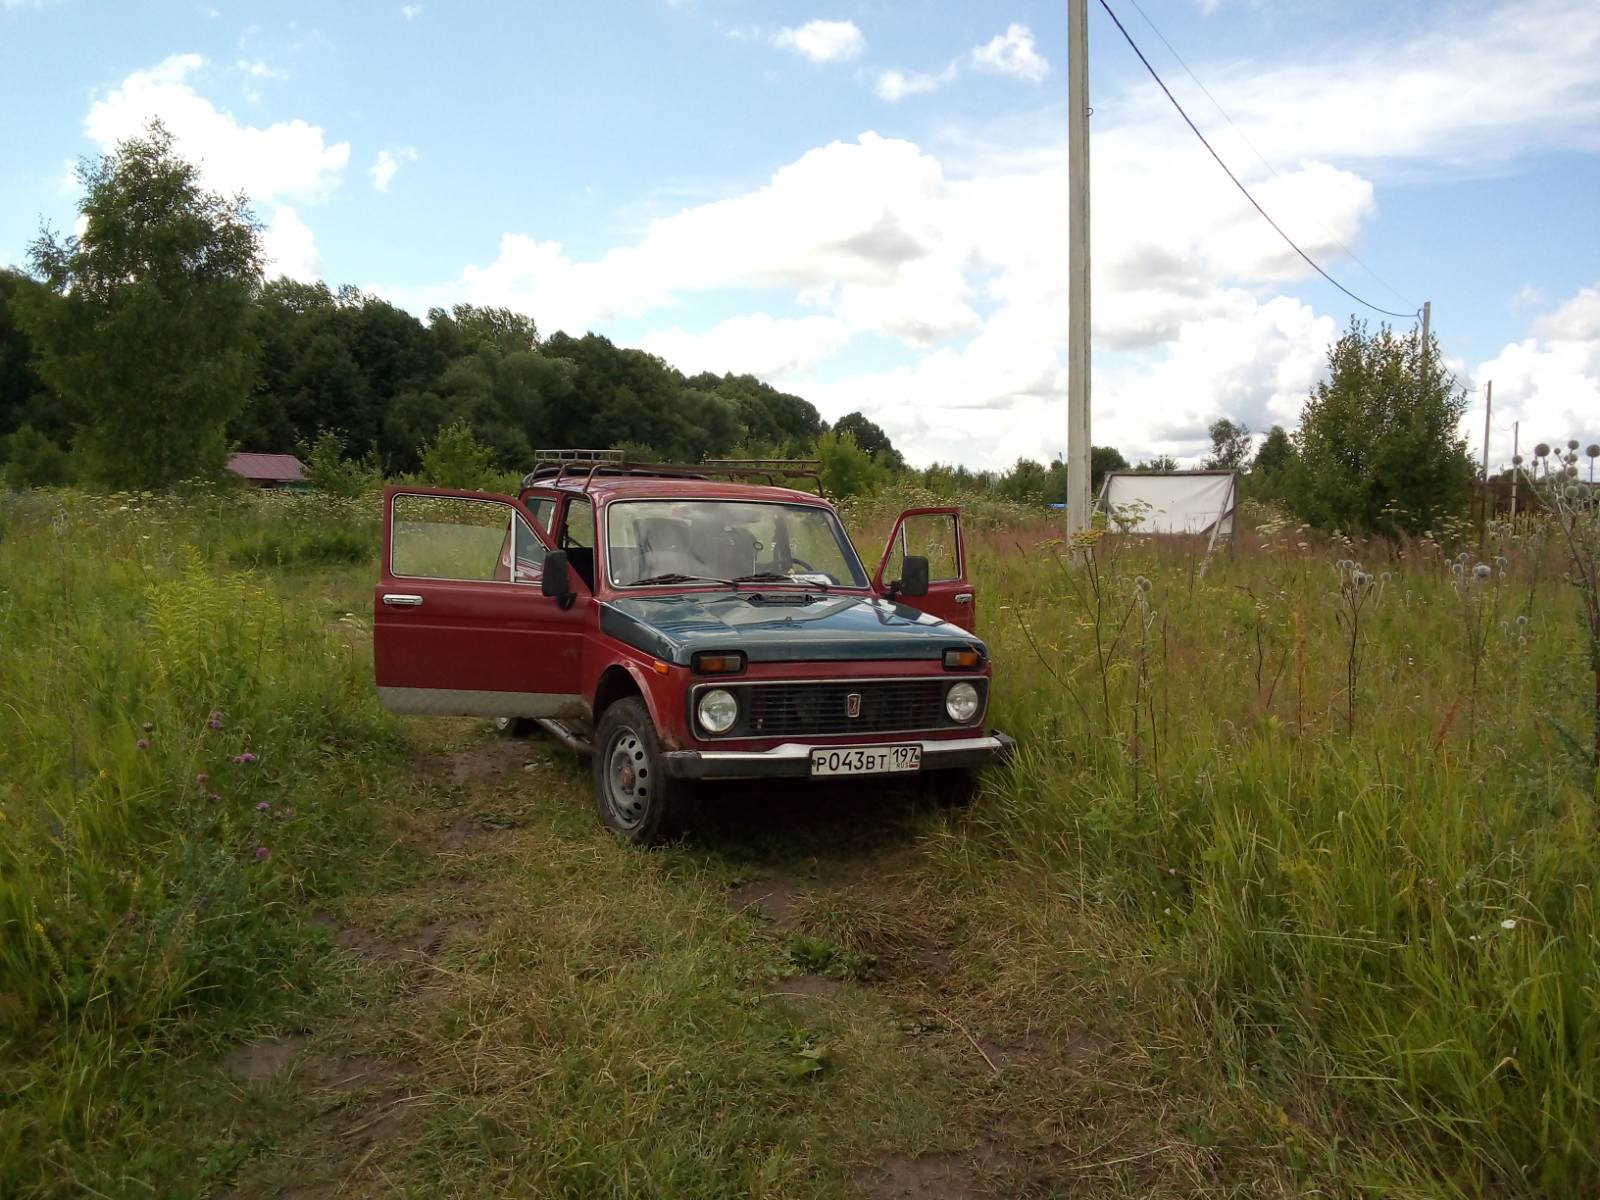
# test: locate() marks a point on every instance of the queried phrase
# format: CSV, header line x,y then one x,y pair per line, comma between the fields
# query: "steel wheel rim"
x,y
629,781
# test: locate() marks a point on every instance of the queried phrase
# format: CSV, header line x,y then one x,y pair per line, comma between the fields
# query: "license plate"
x,y
866,760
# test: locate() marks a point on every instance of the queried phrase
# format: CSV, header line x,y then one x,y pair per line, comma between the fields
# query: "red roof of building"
x,y
277,468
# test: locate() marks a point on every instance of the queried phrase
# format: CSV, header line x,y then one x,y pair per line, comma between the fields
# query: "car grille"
x,y
821,709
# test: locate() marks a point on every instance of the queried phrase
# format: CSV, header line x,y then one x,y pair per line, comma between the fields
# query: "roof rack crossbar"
x,y
552,466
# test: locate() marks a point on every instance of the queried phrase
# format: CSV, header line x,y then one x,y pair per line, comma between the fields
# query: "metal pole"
x,y
1516,468
1078,266
1483,513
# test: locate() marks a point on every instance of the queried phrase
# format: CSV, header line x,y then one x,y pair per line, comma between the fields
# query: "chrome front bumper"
x,y
792,760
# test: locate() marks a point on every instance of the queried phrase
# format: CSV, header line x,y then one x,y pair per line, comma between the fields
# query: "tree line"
x,y
136,354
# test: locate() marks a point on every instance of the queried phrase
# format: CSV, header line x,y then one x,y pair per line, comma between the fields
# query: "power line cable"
x,y
1253,202
1261,158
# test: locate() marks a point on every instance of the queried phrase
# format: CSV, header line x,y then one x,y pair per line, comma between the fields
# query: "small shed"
x,y
269,470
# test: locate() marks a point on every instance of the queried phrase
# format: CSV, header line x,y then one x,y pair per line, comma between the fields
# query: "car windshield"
x,y
725,541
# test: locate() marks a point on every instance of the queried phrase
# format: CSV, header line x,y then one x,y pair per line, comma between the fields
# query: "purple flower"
x,y
200,779
215,723
246,757
142,744
213,797
263,806
262,854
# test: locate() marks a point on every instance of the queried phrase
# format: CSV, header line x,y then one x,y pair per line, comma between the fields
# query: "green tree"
x,y
1230,446
151,337
456,459
1161,462
869,437
33,460
1378,446
1102,461
847,469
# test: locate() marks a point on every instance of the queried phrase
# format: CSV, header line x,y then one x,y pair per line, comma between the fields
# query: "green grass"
x,y
1223,928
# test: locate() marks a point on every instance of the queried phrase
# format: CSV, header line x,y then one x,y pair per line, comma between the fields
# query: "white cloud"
x,y
285,160
387,163
823,41
290,247
260,70
755,344
895,86
1549,381
411,11
1013,53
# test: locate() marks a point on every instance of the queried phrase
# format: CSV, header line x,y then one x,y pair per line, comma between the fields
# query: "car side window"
x,y
453,537
542,511
577,527
933,536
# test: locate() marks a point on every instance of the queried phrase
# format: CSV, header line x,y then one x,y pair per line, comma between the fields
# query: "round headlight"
x,y
717,711
961,702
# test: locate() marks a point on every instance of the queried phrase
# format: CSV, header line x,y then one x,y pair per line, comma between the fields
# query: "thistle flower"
x,y
1481,570
214,798
264,806
262,854
1142,583
1542,450
201,779
1572,443
142,744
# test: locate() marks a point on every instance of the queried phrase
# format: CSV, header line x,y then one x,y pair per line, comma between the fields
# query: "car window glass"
x,y
578,526
528,564
542,511
449,537
933,536
728,539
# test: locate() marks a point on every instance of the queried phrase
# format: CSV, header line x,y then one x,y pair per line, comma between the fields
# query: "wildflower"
x,y
38,928
246,757
200,779
263,806
1522,621
1481,570
1508,923
1142,583
262,854
148,726
142,744
214,797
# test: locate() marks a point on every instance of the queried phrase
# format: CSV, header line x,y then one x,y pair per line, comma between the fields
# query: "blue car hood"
x,y
781,627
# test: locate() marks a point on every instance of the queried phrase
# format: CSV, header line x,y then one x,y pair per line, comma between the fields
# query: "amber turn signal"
x,y
962,660
720,663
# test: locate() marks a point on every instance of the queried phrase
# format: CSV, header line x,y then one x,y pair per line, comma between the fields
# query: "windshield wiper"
x,y
674,577
771,577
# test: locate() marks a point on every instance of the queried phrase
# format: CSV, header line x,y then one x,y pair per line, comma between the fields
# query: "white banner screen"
x,y
1179,503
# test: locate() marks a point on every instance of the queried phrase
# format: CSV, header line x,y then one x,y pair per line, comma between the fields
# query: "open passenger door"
x,y
934,534
461,625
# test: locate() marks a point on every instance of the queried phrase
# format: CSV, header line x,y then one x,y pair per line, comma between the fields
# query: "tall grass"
x,y
184,751
1362,845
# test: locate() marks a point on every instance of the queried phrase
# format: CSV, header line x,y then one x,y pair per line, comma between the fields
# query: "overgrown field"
x,y
1307,828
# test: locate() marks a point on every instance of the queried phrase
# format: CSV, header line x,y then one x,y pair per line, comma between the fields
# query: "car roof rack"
x,y
558,466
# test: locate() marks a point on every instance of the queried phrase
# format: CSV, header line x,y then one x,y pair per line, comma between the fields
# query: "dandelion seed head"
x,y
1481,570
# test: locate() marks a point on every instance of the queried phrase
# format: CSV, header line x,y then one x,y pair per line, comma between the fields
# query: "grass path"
x,y
823,994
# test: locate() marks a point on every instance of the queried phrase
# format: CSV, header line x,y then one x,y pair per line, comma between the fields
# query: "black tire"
x,y
956,787
632,793
517,727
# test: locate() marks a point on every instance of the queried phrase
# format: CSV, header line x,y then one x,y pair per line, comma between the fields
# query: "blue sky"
x,y
864,202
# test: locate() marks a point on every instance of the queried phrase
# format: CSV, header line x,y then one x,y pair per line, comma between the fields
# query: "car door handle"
x,y
403,601
963,597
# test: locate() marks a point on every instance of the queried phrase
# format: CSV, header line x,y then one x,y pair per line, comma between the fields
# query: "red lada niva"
x,y
679,627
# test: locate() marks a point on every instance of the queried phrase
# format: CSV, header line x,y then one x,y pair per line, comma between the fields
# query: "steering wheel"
x,y
800,562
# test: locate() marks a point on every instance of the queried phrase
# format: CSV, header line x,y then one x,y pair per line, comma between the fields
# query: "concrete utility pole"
x,y
1488,407
1078,467
1516,468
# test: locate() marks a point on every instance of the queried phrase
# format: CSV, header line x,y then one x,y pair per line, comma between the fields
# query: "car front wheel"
x,y
632,792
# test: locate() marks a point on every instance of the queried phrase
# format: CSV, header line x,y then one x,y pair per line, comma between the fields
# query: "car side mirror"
x,y
556,579
913,576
